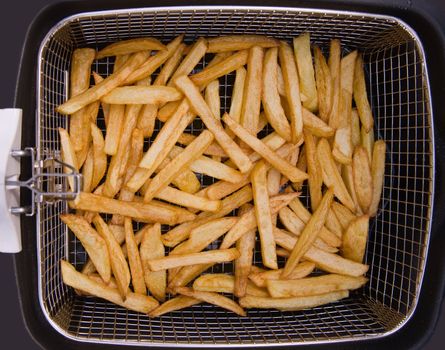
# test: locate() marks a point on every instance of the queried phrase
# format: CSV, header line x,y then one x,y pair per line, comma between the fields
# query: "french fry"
x,y
126,47
313,285
323,81
355,238
165,112
239,42
154,62
342,146
137,237
355,128
325,261
250,110
212,298
302,166
213,150
189,200
170,66
81,62
134,259
306,76
114,128
276,161
119,265
315,177
146,212
152,248
77,280
291,221
223,283
273,187
218,57
93,243
230,147
105,106
87,171
270,96
224,67
210,256
343,214
283,253
334,68
100,157
361,171
377,173
243,264
315,125
303,269
309,234
90,115
248,220
367,139
68,155
237,93
333,224
141,95
166,175
360,96
291,86
348,180
178,303
331,176
187,274
147,114
97,91
292,304
212,98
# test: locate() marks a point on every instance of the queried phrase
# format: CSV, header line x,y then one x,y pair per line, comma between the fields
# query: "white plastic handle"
x,y
10,139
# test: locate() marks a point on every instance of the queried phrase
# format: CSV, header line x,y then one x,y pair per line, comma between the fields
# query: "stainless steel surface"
x,y
399,236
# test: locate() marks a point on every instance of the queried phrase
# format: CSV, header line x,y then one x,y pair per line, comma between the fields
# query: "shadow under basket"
x,y
398,239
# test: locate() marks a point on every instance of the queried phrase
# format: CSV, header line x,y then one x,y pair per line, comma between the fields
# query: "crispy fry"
x,y
309,234
167,111
134,259
361,171
237,94
212,298
331,176
348,180
301,270
219,57
212,98
105,106
324,84
187,274
223,283
334,68
343,214
377,173
210,256
100,158
306,76
68,155
141,95
126,47
276,161
97,91
90,115
270,96
315,176
114,128
355,128
213,150
333,224
367,141
315,125
178,303
250,110
170,66
355,238
185,199
152,248
230,147
119,265
360,96
166,175
292,304
239,42
87,171
342,147
291,221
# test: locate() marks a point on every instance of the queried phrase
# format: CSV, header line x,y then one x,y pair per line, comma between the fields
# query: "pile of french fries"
x,y
321,131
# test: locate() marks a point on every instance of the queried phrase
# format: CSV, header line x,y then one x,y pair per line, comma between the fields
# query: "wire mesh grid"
x,y
398,236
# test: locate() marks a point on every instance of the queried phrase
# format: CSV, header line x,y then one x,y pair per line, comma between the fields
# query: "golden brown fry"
x,y
334,68
348,180
119,265
170,66
250,110
114,128
324,84
126,47
303,57
213,150
223,283
100,158
152,248
87,171
342,146
343,214
210,256
292,304
224,67
367,141
187,274
188,200
239,42
355,128
97,91
361,171
178,303
141,95
309,234
237,93
301,270
360,96
230,147
333,224
291,221
315,176
291,85
270,96
261,148
105,106
166,175
355,238
165,112
212,98
377,172
134,259
315,125
212,298
331,176
68,155
89,116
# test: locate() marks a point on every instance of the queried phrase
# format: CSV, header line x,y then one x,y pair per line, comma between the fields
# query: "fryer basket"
x,y
399,235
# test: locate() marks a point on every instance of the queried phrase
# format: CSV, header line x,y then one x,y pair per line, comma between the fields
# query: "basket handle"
x,y
10,140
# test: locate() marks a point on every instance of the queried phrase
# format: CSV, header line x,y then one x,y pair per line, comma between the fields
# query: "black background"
x,y
15,16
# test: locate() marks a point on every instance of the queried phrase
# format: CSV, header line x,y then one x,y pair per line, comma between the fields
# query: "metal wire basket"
x,y
399,235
